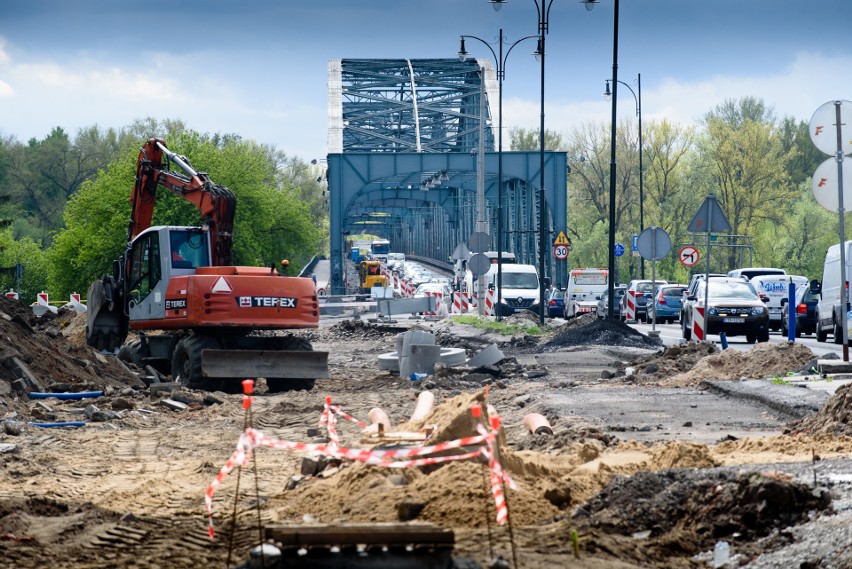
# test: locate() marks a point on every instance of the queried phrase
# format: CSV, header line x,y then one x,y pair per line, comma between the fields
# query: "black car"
x,y
603,303
806,312
733,307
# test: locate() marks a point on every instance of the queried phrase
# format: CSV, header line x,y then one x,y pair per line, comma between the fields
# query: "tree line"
x,y
758,167
65,202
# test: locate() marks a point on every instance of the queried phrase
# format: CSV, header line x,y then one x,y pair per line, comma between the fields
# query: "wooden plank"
x,y
367,534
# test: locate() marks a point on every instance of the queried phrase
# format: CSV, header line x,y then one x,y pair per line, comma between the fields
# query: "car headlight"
x,y
712,311
758,310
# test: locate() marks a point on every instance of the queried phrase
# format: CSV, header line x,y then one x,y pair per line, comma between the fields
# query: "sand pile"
x,y
763,361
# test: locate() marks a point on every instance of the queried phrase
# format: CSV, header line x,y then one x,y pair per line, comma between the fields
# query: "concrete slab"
x,y
834,366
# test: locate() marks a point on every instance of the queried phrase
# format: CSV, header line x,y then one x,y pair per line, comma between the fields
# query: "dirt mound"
x,y
54,361
835,417
358,329
591,331
763,361
674,361
692,513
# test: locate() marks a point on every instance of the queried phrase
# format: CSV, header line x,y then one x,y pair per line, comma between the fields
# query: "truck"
x,y
586,286
370,275
379,249
212,323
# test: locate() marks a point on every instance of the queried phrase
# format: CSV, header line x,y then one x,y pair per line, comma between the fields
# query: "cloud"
x,y
808,81
4,57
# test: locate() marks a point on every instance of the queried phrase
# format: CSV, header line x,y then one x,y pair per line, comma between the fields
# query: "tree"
x,y
271,221
529,140
744,163
34,263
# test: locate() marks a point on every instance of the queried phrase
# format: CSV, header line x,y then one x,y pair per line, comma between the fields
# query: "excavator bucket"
x,y
106,323
271,364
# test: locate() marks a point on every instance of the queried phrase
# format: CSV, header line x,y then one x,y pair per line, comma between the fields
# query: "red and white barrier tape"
x,y
252,439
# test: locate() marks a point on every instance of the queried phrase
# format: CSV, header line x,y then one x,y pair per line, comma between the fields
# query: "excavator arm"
x,y
216,204
108,320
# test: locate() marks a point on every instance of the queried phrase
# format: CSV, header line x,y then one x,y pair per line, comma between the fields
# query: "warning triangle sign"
x,y
710,218
221,285
562,239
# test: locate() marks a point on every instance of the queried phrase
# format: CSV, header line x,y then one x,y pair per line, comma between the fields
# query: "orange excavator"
x,y
215,323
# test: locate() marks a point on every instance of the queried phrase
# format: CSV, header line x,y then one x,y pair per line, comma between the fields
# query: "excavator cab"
x,y
156,256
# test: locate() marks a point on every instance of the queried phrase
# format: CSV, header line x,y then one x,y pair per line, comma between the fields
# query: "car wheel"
x,y
686,332
838,334
821,335
750,338
763,336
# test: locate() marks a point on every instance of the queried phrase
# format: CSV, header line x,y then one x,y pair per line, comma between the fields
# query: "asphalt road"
x,y
671,335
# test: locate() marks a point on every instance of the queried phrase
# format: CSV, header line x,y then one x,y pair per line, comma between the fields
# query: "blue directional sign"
x,y
619,249
635,238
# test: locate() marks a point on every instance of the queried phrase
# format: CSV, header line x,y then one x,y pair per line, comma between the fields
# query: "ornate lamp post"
x,y
500,60
638,101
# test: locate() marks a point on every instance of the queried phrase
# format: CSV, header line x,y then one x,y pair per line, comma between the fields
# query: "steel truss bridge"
x,y
405,139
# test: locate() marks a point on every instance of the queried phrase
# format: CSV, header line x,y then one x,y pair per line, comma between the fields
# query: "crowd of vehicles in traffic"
x,y
749,301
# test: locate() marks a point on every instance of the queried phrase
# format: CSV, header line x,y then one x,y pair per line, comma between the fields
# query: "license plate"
x,y
733,320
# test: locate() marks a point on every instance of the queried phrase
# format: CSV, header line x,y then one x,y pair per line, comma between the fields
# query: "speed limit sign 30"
x,y
560,252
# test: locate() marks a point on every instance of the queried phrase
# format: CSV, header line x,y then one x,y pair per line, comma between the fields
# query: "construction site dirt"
x,y
653,460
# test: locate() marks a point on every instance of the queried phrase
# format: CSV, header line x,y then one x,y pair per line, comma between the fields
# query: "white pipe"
x,y
425,404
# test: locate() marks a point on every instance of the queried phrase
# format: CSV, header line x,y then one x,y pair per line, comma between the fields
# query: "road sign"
x,y
619,250
710,217
478,264
654,243
823,127
562,239
825,185
688,255
633,242
560,252
479,242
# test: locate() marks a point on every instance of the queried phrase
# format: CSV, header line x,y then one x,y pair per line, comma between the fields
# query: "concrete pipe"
x,y
379,421
537,424
425,404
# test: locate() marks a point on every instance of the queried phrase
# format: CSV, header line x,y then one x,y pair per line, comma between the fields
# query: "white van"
x,y
751,272
585,289
520,287
776,287
829,314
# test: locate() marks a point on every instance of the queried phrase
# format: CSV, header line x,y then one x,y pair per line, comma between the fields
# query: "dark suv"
x,y
733,307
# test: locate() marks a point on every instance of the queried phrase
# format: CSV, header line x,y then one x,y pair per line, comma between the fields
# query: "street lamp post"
x,y
638,101
611,256
543,25
500,61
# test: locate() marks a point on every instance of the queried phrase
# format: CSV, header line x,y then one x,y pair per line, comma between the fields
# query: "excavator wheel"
x,y
186,363
293,343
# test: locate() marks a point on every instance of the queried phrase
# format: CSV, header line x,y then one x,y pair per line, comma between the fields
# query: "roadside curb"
x,y
793,400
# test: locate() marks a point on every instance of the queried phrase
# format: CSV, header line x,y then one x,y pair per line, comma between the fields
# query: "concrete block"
x,y
834,366
486,357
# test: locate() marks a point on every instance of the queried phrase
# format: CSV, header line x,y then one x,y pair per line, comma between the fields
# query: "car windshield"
x,y
646,287
675,291
519,280
729,290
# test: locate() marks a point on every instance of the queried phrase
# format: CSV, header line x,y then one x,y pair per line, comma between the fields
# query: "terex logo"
x,y
266,302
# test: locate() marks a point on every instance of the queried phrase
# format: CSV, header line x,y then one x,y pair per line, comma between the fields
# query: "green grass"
x,y
499,327
780,380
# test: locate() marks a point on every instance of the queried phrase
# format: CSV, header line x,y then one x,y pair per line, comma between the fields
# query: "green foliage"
x,y
35,265
271,221
499,327
521,139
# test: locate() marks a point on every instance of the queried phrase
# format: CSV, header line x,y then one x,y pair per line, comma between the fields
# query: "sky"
x,y
258,68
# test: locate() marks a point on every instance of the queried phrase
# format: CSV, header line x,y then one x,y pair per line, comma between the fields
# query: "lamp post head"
x,y
462,51
497,4
590,4
607,93
538,51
